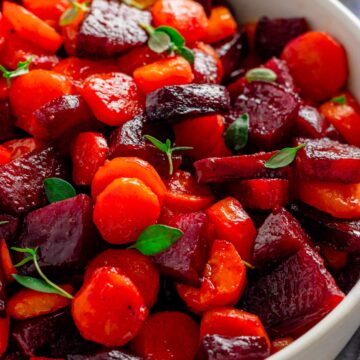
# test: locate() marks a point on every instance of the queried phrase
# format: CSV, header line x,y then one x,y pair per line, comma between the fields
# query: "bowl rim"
x,y
352,299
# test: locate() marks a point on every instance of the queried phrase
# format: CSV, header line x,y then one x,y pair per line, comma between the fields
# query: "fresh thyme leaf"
x,y
22,69
70,14
57,189
237,134
339,99
260,74
283,158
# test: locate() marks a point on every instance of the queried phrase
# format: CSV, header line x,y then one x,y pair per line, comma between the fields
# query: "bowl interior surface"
x,y
325,340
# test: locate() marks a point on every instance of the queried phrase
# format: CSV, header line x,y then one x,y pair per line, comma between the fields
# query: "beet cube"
x,y
64,233
7,128
110,28
8,230
68,113
109,354
279,237
343,235
273,34
172,103
282,71
218,170
272,112
328,160
310,123
185,260
295,296
21,180
205,68
350,275
217,347
232,51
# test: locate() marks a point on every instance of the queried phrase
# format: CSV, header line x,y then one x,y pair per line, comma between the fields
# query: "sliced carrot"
x,y
47,9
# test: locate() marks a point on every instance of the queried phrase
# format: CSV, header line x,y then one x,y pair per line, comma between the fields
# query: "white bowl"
x,y
325,340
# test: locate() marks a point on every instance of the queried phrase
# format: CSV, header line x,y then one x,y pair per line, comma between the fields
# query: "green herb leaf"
x,y
57,189
260,74
248,265
156,239
237,134
35,284
4,222
22,69
186,53
70,14
167,149
339,99
283,158
159,42
24,261
176,38
30,251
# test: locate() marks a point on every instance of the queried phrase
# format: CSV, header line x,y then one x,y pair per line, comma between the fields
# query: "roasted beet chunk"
x,y
272,112
217,347
64,233
218,170
111,28
171,103
350,275
232,51
278,238
62,115
110,354
273,34
343,235
328,160
205,68
8,230
310,123
294,296
185,260
282,71
21,180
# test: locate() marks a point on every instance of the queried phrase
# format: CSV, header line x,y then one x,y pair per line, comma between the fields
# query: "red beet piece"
x,y
128,140
110,28
261,194
185,260
7,128
282,71
64,233
273,34
171,103
328,160
333,134
232,51
279,237
8,230
343,235
109,354
310,123
205,68
21,180
272,112
68,113
218,170
217,347
294,296
350,275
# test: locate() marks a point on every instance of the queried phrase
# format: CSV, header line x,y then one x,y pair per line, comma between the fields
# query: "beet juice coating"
x,y
172,103
111,28
65,234
21,181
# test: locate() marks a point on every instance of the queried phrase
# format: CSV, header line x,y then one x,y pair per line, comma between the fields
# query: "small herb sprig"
x,y
57,189
166,38
73,11
339,99
284,157
22,69
156,239
237,134
261,74
42,285
167,149
4,222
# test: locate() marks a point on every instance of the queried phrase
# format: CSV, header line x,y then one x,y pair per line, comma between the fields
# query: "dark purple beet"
x,y
21,180
68,113
272,112
109,354
217,347
64,233
294,296
218,170
279,237
8,231
205,68
282,71
128,140
273,34
172,103
349,275
310,123
328,160
7,128
2,293
207,5
232,51
343,235
333,134
111,28
185,260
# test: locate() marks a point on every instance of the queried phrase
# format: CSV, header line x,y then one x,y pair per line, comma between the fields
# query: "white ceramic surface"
x,y
326,339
